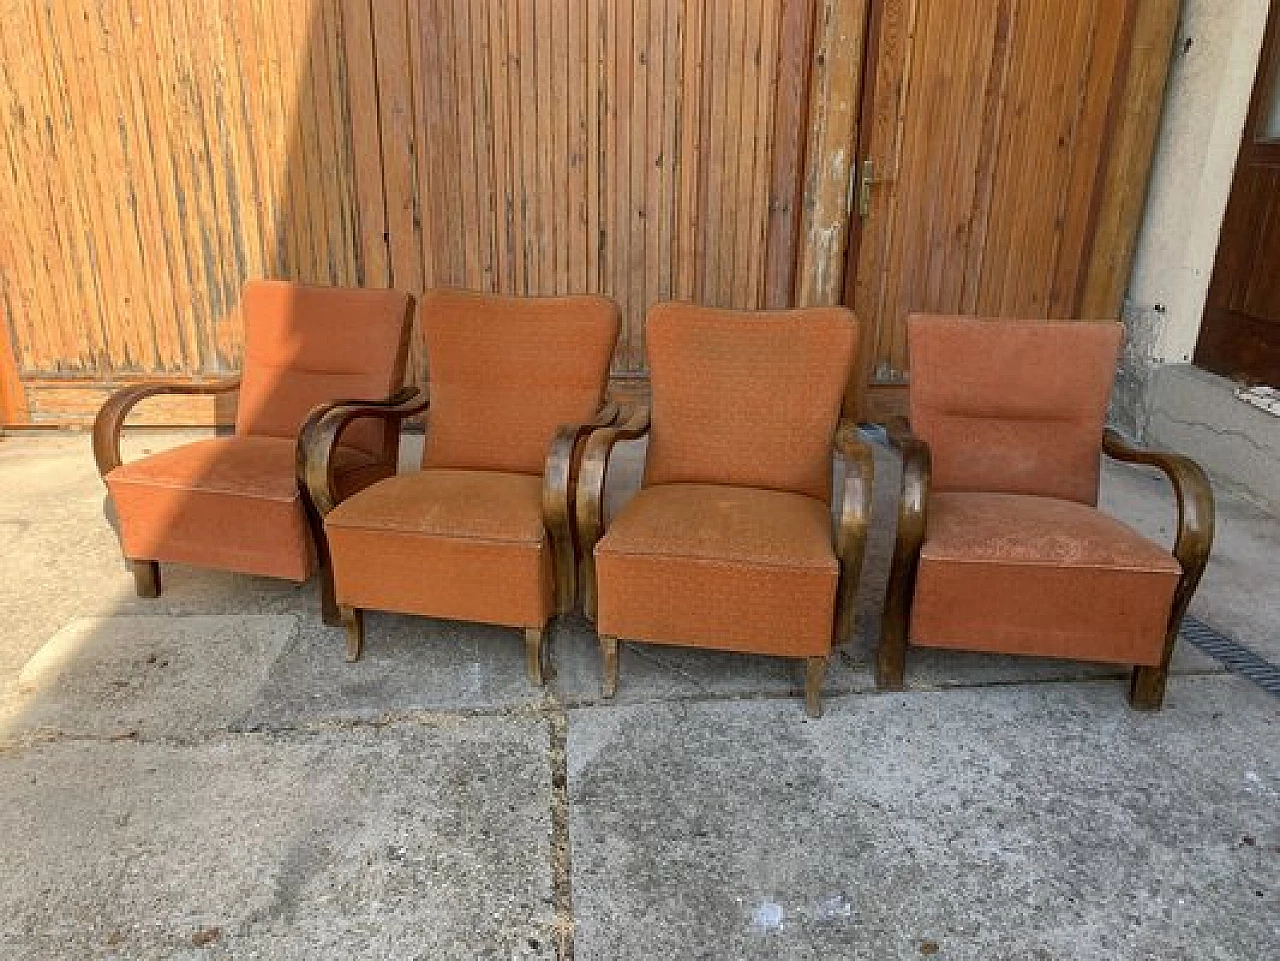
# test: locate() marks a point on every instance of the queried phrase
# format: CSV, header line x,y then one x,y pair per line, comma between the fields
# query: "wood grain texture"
x,y
991,125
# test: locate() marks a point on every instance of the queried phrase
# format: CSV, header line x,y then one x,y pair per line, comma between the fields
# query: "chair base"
x,y
146,578
534,654
815,672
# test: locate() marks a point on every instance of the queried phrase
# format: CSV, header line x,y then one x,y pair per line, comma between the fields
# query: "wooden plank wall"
x,y
623,147
994,217
159,153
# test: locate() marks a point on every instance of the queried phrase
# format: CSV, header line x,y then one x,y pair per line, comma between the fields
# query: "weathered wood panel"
x,y
157,155
623,147
988,126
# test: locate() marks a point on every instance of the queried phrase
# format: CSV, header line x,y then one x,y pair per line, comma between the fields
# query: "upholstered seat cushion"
x,y
1022,574
229,502
732,568
460,544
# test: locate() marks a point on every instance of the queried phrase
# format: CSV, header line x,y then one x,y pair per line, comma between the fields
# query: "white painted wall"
x,y
1211,78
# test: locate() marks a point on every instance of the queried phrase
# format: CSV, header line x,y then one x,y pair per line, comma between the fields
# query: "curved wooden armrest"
x,y
1194,496
109,422
852,521
913,503
323,428
590,500
559,480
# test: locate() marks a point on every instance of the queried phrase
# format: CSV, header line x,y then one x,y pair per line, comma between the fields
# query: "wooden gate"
x,y
157,154
635,148
987,131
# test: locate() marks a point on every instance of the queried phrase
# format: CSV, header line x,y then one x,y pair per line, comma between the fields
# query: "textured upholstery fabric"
x,y
749,398
1022,574
460,544
232,503
505,372
308,345
1012,406
732,568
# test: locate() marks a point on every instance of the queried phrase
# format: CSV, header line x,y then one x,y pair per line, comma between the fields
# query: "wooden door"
x,y
984,125
1240,335
643,149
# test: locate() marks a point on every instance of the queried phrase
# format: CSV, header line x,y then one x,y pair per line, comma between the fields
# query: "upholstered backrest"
x,y
1012,406
505,372
748,398
307,345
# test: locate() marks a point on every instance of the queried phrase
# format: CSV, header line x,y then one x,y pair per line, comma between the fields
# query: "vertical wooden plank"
x,y
366,139
396,118
13,399
638,170
596,118
691,108
672,40
499,87
711,194
829,158
655,67
576,190
1122,193
557,29
763,127
787,167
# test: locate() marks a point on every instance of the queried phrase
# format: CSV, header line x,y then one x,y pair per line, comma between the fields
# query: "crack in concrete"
x,y
1220,431
561,852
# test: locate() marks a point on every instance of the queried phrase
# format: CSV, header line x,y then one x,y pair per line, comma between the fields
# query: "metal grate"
x,y
1237,658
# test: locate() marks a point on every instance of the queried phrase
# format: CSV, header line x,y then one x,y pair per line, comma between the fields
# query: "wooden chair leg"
x,y
815,669
891,655
353,620
329,612
146,578
533,653
1146,688
609,656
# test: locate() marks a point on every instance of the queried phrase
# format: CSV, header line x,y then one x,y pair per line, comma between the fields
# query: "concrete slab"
x,y
408,663
156,676
1037,821
404,841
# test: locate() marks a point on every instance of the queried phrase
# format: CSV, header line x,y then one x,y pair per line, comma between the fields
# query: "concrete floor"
x,y
203,776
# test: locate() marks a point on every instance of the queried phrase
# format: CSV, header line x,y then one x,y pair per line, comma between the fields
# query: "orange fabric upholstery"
x,y
1023,574
505,372
460,544
731,568
307,345
748,398
231,503
1012,406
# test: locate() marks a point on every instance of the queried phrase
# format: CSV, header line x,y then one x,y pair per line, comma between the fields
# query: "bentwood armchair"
x,y
729,544
1000,545
234,503
483,531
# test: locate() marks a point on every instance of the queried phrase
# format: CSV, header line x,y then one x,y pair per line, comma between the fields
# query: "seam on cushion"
x,y
723,562
1011,415
1005,562
293,368
274,498
413,532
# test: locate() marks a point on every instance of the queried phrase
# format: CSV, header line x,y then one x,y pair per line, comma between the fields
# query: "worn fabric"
x,y
1012,406
732,568
460,544
1022,574
506,372
747,397
307,345
230,503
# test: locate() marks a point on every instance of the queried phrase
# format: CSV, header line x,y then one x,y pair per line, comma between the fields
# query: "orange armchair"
x,y
483,531
1000,545
729,543
234,503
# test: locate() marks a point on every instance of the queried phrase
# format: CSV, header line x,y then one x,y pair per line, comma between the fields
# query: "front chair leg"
x,y
533,648
1146,688
353,620
815,669
146,578
609,655
329,611
891,656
